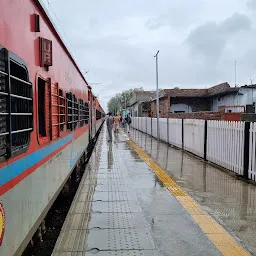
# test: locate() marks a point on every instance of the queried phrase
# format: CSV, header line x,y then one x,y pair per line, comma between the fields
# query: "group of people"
x,y
114,122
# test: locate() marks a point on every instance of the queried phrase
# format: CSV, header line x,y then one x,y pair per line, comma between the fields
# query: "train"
x,y
49,119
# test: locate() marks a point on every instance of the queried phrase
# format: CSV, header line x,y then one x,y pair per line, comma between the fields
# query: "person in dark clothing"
x,y
121,120
128,121
109,122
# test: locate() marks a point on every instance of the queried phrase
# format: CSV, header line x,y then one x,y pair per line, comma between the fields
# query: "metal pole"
x,y
235,73
157,96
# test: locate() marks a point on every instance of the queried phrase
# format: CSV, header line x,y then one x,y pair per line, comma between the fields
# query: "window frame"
x,y
60,110
12,150
84,113
72,99
43,139
98,115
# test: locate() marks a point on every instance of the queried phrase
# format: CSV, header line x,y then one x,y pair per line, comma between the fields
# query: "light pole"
x,y
235,73
125,102
157,96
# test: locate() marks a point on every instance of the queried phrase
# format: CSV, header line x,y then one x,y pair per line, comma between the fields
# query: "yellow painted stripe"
x,y
225,243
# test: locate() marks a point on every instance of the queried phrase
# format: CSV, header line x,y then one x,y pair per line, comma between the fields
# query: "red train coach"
x,y
48,117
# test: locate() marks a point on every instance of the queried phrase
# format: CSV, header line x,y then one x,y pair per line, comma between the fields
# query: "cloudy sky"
x,y
199,42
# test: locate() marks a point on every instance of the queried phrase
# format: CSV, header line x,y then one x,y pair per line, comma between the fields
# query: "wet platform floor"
x,y
229,200
121,208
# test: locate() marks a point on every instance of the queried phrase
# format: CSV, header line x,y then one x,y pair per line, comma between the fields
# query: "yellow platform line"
x,y
225,243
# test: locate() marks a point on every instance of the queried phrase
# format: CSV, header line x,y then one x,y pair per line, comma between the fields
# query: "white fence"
x,y
175,132
170,132
225,144
194,136
252,156
224,140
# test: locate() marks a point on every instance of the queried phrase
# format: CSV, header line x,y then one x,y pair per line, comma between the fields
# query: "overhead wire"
x,y
56,17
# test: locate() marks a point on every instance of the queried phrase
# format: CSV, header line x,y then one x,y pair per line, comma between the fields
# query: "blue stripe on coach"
x,y
12,170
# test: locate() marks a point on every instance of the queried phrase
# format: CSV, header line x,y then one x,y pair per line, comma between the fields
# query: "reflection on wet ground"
x,y
232,202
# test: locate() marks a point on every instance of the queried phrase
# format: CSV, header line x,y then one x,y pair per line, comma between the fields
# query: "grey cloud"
x,y
179,15
206,40
237,22
210,39
251,4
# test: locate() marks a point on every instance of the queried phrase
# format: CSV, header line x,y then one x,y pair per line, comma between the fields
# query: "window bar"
x,y
20,97
9,105
21,114
58,91
79,105
4,133
63,102
23,130
20,80
3,73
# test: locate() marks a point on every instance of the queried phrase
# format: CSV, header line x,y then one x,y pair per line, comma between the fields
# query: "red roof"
x,y
217,89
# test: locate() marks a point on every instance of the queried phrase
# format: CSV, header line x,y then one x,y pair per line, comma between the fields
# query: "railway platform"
x,y
126,204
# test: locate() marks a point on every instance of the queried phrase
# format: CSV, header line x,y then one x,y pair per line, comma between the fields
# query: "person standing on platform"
x,y
116,123
128,121
121,120
109,122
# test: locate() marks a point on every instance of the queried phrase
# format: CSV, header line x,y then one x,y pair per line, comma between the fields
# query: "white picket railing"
x,y
225,140
225,144
194,136
154,127
163,132
252,156
175,132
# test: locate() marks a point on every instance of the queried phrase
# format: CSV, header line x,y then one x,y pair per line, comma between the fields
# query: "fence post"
x,y
205,140
151,126
246,149
182,133
146,125
168,130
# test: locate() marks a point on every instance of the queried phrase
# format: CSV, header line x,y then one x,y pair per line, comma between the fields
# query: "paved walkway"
x,y
122,208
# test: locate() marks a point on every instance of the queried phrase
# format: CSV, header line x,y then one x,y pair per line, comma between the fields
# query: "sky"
x,y
198,41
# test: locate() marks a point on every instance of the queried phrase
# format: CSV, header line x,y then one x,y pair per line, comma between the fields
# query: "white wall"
x,y
180,107
134,108
243,97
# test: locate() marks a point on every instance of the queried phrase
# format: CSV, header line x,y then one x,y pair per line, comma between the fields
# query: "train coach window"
x,y
83,113
87,112
41,107
98,115
16,105
44,107
58,111
62,109
72,111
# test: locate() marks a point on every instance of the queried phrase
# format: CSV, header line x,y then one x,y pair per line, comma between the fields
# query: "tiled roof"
x,y
223,88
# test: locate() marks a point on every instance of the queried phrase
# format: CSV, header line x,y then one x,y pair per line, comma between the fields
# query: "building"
x,y
219,98
140,103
